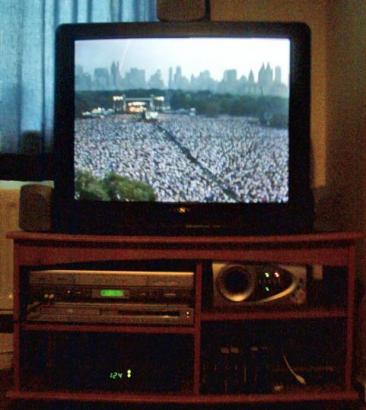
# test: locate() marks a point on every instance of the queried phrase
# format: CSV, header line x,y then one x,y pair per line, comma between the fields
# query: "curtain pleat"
x,y
27,37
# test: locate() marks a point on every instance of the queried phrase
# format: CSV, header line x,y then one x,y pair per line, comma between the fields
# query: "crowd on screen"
x,y
188,158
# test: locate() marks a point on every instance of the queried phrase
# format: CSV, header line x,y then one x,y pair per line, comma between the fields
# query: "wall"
x,y
9,210
346,103
346,118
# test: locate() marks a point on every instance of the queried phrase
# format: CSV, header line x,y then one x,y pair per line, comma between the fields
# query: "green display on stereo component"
x,y
112,293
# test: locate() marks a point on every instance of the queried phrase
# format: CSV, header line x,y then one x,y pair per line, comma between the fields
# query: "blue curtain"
x,y
27,35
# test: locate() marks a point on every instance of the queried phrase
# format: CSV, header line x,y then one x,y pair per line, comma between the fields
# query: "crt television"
x,y
183,128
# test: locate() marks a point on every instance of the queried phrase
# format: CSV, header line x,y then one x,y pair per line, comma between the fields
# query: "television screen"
x,y
184,118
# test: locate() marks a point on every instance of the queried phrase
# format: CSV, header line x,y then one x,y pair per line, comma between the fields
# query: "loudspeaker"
x,y
182,10
35,208
246,284
233,283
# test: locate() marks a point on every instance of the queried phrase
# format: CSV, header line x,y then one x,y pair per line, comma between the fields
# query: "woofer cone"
x,y
235,283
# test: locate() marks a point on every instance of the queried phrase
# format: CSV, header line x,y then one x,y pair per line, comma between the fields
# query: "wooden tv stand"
x,y
317,337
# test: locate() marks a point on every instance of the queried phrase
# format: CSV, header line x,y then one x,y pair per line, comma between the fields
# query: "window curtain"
x,y
27,42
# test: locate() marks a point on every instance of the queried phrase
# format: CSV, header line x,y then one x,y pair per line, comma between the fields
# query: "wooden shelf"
x,y
308,323
275,314
49,248
307,394
206,316
100,328
181,240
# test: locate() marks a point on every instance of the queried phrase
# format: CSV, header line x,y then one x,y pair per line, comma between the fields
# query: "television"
x,y
183,128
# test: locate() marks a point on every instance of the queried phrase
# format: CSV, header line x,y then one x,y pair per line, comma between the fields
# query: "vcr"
x,y
151,297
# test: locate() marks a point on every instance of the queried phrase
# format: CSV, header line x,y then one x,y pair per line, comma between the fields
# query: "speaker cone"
x,y
235,283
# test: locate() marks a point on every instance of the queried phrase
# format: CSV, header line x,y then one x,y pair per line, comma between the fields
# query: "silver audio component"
x,y
118,313
87,296
241,284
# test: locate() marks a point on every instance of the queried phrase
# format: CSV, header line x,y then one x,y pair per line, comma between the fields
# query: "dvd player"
x,y
119,313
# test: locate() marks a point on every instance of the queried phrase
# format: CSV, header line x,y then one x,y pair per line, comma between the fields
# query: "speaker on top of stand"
x,y
35,208
183,10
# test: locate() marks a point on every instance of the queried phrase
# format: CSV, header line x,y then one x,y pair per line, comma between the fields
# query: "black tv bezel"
x,y
99,217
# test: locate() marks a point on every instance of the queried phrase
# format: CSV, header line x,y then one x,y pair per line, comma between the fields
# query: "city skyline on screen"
x,y
194,58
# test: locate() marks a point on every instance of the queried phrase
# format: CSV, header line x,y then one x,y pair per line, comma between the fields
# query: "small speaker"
x,y
239,285
35,208
182,10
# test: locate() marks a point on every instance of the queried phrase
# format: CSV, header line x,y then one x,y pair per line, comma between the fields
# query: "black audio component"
x,y
238,284
224,370
113,362
258,369
232,368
